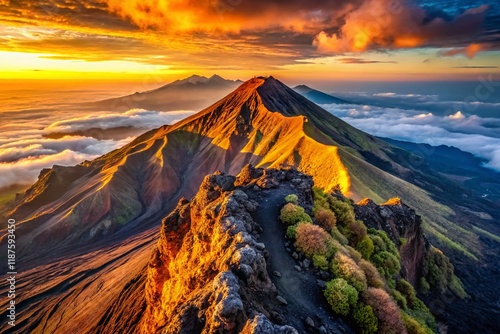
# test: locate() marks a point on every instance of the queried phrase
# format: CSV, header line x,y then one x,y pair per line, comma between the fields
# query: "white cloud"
x,y
24,153
480,136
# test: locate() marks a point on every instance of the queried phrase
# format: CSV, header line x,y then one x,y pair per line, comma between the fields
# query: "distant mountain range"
x,y
191,93
317,96
87,226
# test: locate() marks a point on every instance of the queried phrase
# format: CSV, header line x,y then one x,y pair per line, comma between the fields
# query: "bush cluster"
x,y
313,240
292,198
364,319
438,271
345,267
386,311
292,214
341,296
325,218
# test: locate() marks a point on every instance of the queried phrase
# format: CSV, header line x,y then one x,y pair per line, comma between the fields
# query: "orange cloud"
x,y
230,16
470,51
393,24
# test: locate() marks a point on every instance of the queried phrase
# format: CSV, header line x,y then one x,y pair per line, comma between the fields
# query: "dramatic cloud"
x,y
398,24
216,33
480,136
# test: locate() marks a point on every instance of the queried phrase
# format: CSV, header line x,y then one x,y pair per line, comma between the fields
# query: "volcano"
x,y
90,225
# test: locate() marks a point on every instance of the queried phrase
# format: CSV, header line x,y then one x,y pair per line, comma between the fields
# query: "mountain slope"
x,y
191,93
263,122
318,96
107,203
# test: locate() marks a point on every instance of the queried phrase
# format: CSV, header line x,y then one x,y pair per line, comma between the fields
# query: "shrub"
x,y
313,240
378,243
341,296
364,319
439,273
386,310
413,326
292,214
320,262
355,255
356,231
407,290
365,247
400,299
320,201
386,263
424,285
339,236
372,275
326,219
342,210
291,231
345,267
292,198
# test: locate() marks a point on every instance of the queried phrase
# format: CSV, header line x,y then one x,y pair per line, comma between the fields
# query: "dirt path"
x,y
305,298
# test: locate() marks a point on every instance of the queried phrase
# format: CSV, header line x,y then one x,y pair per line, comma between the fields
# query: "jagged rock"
x,y
298,268
309,322
282,300
295,255
322,330
321,283
306,263
261,325
277,273
399,221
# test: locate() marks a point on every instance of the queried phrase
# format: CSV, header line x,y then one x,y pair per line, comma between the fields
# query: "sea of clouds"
x,y
25,148
426,119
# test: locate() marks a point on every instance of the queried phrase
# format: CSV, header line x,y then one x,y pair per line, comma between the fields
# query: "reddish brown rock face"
x,y
399,221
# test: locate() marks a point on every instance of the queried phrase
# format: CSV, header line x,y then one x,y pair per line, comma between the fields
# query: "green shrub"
x,y
364,319
339,236
439,273
378,243
372,275
387,264
320,201
320,262
365,247
424,285
413,326
326,219
292,214
313,240
342,210
345,267
341,296
292,198
400,299
353,253
291,232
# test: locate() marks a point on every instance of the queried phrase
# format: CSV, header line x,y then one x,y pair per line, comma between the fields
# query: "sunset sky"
x,y
169,39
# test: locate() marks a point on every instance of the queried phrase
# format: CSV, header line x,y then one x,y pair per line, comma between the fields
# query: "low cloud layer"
x,y
471,133
24,155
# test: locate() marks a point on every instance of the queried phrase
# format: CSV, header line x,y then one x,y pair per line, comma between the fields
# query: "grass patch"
x,y
486,233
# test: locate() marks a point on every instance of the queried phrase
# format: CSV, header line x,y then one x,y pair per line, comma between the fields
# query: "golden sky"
x,y
169,39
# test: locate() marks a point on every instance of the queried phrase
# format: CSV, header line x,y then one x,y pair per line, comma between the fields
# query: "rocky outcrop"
x,y
403,226
208,272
